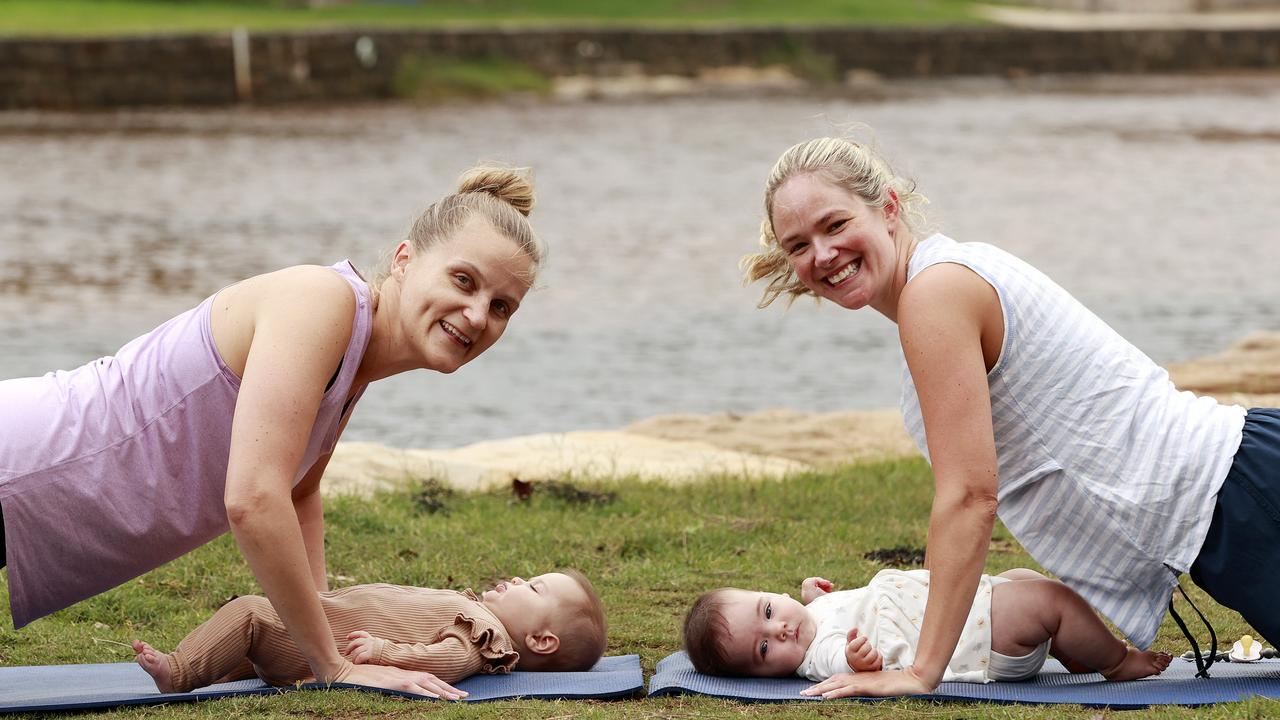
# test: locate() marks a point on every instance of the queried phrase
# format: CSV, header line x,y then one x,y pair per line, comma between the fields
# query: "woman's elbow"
x,y
245,507
977,503
982,502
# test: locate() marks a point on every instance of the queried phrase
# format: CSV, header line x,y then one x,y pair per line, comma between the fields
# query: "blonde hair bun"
x,y
509,185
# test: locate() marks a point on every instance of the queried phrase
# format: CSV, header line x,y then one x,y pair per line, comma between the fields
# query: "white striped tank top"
x,y
1108,474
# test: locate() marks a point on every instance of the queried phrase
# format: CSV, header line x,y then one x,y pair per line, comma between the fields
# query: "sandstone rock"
x,y
766,444
1247,368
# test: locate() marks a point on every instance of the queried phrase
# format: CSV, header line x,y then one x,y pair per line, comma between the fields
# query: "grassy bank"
x,y
80,17
650,550
441,79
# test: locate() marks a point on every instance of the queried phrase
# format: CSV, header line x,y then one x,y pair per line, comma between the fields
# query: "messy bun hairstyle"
x,y
502,196
843,163
510,186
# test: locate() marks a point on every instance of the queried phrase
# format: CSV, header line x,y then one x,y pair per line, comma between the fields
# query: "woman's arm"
x,y
310,508
300,327
301,324
946,316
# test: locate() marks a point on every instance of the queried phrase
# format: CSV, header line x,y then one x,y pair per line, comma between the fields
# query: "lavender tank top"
x,y
119,466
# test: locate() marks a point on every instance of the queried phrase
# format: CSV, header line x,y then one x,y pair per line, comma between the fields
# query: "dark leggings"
x,y
4,556
1239,564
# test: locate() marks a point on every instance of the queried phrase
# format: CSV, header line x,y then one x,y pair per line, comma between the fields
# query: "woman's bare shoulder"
x,y
306,287
309,298
945,289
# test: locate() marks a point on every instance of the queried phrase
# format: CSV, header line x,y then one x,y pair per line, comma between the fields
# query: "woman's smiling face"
x,y
840,247
457,296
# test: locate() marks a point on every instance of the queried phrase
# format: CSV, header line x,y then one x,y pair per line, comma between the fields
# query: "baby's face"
x,y
534,605
768,634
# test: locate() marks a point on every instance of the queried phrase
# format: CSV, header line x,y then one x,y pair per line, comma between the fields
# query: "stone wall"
x,y
353,65
115,72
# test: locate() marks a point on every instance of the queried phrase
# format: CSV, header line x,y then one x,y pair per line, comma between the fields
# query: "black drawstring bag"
x,y
1202,665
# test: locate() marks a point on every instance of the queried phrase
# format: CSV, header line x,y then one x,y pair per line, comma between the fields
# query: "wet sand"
x,y
765,444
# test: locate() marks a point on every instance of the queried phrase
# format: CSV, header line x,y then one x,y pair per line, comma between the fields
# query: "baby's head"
x,y
556,620
744,632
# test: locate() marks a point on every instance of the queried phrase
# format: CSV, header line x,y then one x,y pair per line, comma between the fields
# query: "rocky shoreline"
x,y
765,444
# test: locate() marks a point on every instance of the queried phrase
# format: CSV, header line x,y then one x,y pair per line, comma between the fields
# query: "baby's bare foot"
x,y
155,663
1139,664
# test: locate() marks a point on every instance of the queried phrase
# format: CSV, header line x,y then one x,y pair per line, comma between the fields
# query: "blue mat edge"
x,y
674,690
632,662
150,700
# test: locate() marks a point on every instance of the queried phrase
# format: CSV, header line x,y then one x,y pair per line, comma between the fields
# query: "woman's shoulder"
x,y
311,290
948,283
310,300
319,279
938,249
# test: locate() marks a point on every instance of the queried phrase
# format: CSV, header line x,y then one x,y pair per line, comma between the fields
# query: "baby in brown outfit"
x,y
550,622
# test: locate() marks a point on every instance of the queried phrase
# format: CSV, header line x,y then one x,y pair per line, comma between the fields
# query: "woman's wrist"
x,y
333,671
929,680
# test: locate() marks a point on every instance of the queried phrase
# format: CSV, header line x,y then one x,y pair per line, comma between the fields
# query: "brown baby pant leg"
x,y
246,628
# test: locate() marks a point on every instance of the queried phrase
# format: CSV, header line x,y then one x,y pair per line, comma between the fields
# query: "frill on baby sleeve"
x,y
482,630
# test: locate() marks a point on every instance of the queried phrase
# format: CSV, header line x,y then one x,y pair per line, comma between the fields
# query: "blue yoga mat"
x,y
84,687
1176,686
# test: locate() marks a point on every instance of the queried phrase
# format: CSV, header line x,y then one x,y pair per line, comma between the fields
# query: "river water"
x,y
1155,201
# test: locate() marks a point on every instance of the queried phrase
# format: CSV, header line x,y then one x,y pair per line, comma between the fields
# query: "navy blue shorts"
x,y
1239,565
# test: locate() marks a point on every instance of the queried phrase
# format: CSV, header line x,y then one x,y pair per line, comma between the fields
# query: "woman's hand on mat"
x,y
874,684
363,648
861,655
399,679
813,588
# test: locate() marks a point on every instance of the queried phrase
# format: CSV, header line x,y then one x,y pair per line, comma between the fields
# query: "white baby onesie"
x,y
888,611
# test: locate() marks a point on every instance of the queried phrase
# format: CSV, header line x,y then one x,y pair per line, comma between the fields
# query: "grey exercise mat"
x,y
84,687
1176,686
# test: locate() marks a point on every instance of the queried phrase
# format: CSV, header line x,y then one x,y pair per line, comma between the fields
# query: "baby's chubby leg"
x,y
160,667
218,649
1021,574
1029,611
1066,660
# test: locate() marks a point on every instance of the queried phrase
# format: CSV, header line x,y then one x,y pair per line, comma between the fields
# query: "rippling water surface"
x,y
1157,202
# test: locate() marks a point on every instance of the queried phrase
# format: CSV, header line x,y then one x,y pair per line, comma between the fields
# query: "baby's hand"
x,y
814,587
363,648
861,654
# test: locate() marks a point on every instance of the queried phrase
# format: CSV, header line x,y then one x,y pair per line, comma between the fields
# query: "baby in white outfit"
x,y
1006,637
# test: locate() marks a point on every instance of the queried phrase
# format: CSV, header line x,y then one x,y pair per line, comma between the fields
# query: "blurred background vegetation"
x,y
81,17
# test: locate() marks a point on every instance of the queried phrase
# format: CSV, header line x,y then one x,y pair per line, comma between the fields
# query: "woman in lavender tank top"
x,y
224,418
1026,403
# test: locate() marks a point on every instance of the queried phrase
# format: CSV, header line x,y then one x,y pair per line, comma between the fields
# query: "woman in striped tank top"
x,y
1029,408
225,416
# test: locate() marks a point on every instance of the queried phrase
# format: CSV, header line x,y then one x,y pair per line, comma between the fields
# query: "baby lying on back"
x,y
742,632
550,622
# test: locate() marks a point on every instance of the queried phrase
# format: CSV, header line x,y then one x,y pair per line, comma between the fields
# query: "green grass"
x,y
93,17
650,550
439,79
805,63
